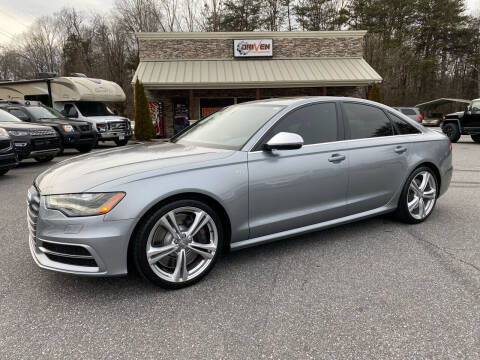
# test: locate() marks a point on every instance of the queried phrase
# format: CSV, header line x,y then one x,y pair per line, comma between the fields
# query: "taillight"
x,y
420,117
451,146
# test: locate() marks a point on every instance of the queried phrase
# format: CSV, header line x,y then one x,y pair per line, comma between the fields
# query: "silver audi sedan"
x,y
246,175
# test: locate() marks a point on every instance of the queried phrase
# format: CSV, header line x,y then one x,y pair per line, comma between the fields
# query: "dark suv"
x,y
30,140
73,133
8,157
463,123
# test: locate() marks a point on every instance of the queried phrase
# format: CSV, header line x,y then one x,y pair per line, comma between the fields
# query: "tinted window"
x,y
366,121
314,123
408,111
402,127
18,113
6,117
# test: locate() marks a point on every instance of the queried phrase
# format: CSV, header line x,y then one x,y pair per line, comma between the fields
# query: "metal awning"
x,y
441,101
272,73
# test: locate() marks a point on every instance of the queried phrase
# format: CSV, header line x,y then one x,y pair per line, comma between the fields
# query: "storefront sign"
x,y
253,48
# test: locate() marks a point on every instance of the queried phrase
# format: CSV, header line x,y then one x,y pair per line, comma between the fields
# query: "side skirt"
x,y
310,228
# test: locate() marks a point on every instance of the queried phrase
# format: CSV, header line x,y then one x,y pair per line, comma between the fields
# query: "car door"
x,y
377,157
289,189
472,117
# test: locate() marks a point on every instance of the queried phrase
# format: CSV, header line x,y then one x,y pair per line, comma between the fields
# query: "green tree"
x,y
144,129
375,94
241,15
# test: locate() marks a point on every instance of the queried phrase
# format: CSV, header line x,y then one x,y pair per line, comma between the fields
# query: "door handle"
x,y
400,149
337,158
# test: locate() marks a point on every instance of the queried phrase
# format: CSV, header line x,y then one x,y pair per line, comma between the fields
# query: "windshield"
x,y
40,112
231,127
93,108
6,117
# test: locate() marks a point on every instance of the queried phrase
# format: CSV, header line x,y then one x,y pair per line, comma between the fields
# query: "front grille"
x,y
45,144
118,125
42,132
33,202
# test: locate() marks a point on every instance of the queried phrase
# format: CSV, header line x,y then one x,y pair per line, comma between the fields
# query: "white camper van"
x,y
77,97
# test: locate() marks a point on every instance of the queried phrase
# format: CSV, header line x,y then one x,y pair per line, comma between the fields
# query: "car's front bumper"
x,y
79,139
87,246
114,135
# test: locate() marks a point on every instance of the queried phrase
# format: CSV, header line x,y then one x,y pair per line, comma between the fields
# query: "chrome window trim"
x,y
350,140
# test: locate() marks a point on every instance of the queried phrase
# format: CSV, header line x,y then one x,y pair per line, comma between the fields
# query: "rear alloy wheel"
x,y
121,142
42,159
476,138
452,131
418,197
178,244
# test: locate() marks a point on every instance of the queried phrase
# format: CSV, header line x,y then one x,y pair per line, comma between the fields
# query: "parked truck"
x,y
76,97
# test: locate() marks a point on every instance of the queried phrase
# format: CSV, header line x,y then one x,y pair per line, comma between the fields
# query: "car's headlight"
x,y
102,127
18,133
86,204
68,128
3,133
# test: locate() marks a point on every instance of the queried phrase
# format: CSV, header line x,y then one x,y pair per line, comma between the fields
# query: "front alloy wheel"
x,y
179,244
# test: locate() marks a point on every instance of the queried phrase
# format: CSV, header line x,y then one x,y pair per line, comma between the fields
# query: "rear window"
x,y
365,121
408,111
401,126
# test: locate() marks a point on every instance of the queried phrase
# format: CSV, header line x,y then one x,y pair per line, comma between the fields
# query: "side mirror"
x,y
24,117
284,141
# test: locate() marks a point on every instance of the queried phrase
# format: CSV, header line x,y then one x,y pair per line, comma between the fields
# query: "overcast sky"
x,y
17,15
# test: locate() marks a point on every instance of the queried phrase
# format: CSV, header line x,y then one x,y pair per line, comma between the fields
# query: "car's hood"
x,y
21,126
108,118
84,172
59,121
455,114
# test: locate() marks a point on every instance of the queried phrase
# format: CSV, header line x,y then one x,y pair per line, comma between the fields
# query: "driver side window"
x,y
316,123
69,111
475,106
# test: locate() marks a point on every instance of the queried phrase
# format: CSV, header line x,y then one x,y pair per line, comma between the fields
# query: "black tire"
x,y
402,212
140,240
121,142
42,159
476,138
61,151
452,131
84,148
4,171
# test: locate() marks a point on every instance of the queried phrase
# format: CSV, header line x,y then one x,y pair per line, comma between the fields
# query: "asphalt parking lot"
x,y
373,289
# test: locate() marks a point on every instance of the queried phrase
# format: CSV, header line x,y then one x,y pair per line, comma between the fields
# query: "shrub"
x,y
375,94
144,129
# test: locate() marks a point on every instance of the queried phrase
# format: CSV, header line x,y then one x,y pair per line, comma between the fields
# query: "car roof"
x,y
292,101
